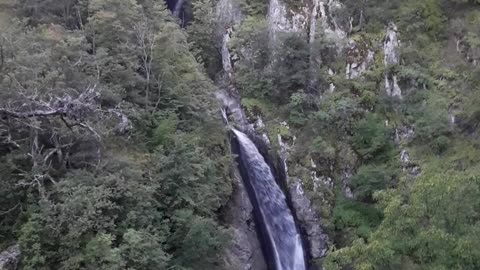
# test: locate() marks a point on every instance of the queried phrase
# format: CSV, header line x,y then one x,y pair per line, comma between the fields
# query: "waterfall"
x,y
178,8
281,239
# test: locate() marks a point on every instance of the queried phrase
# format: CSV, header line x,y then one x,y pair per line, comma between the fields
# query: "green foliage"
x,y
166,127
355,219
187,177
70,13
299,105
202,33
323,148
340,110
432,228
441,144
143,250
254,7
150,197
200,241
371,138
423,16
248,44
254,106
291,69
78,193
431,121
372,178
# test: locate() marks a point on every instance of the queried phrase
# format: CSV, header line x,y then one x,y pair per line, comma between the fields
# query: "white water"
x,y
178,8
285,241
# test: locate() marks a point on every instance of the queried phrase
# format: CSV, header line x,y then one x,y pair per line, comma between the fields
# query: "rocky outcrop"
x,y
323,23
244,252
404,135
390,50
359,58
226,58
10,258
345,180
283,20
331,29
228,15
309,220
307,18
303,209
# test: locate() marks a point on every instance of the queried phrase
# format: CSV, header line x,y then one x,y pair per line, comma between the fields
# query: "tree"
x,y
433,227
202,32
371,139
69,13
100,121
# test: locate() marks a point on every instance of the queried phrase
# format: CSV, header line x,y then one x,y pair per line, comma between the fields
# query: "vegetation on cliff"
x,y
410,161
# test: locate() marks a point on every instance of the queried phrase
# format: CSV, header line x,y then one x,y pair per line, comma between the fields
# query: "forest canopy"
x,y
105,161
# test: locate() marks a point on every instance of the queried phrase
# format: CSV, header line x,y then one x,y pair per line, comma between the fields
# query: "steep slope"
x,y
369,103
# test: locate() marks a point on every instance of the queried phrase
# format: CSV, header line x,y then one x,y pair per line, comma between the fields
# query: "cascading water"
x,y
178,8
281,238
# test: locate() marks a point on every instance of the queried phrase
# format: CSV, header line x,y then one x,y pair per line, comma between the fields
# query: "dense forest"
x,y
114,155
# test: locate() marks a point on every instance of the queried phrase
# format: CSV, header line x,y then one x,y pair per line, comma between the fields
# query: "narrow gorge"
x,y
282,243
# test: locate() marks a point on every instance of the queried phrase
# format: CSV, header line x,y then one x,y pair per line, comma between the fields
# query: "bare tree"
x,y
47,131
145,35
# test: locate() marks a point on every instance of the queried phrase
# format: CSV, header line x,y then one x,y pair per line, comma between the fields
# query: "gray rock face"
x,y
345,179
309,219
9,258
282,20
244,252
358,60
390,50
228,15
323,23
329,25
316,16
404,135
226,58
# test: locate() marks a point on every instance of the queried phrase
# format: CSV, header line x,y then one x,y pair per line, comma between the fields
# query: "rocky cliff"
x,y
335,89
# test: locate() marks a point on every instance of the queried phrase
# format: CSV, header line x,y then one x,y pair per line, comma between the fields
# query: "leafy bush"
x,y
355,219
372,178
371,138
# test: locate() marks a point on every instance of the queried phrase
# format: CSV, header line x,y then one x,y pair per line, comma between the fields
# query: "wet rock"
x,y
309,219
244,252
304,211
9,258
